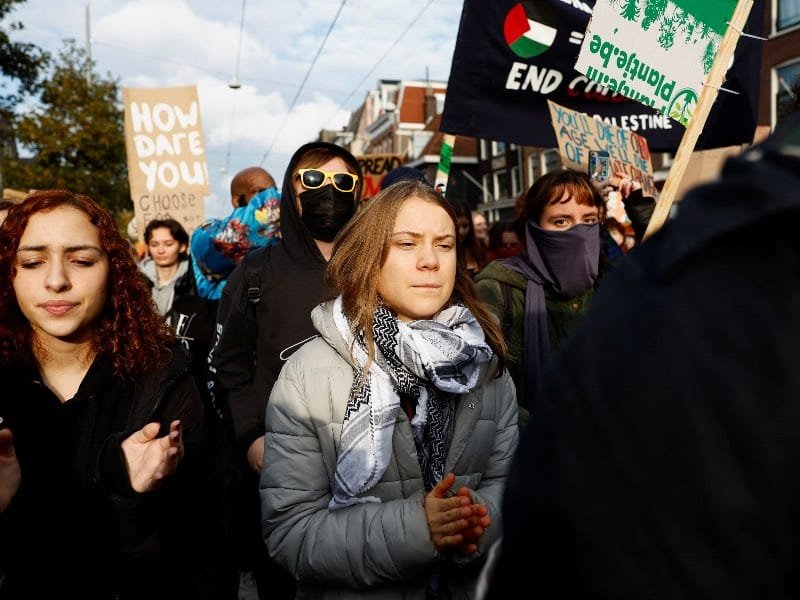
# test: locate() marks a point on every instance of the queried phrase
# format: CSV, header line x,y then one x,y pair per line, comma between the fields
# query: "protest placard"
x,y
167,167
657,52
578,133
374,167
700,114
511,56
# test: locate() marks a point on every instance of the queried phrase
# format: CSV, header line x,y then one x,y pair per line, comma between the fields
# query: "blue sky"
x,y
155,43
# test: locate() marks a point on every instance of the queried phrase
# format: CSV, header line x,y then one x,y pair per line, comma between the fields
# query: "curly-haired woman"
x,y
107,481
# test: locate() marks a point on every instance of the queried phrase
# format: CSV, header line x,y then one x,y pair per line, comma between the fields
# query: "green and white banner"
x,y
657,52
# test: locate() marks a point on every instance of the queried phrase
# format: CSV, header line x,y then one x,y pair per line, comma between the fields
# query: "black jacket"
x,y
245,363
662,458
192,319
76,528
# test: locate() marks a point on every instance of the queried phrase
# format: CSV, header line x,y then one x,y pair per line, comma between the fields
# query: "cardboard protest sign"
x,y
657,52
511,57
374,167
167,167
578,134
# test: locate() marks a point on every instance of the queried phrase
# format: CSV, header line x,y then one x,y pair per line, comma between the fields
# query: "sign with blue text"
x,y
579,134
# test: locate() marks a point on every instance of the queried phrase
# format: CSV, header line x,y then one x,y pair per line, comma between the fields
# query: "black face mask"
x,y
326,210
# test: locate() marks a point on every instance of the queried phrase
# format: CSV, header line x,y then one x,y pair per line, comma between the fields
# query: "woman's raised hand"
x,y
10,473
150,459
626,185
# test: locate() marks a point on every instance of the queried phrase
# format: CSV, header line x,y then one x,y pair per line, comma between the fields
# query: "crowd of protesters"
x,y
319,397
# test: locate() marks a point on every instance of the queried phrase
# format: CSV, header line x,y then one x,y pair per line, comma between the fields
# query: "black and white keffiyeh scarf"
x,y
427,361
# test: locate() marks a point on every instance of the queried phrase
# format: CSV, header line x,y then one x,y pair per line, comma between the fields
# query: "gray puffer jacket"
x,y
375,550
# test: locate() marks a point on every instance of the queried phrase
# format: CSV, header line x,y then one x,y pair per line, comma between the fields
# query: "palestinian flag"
x,y
529,32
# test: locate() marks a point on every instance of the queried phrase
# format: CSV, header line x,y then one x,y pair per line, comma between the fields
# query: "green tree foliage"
x,y
75,134
666,35
709,55
691,26
630,10
653,11
20,63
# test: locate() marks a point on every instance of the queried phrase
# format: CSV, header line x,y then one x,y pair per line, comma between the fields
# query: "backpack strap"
x,y
252,277
255,272
508,317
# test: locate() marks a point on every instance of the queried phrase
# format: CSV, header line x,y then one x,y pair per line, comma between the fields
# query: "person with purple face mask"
x,y
264,316
542,293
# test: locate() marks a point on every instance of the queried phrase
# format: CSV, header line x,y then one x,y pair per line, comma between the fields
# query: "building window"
x,y
788,86
788,14
498,148
485,149
487,188
516,181
533,168
501,191
551,161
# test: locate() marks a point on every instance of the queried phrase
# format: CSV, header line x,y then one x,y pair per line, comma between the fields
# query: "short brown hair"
x,y
550,189
360,251
176,231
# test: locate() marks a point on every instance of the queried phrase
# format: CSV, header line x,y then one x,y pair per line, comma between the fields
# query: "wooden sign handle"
x,y
707,97
445,156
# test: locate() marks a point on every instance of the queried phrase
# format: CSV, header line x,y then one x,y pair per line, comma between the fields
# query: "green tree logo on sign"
x,y
683,105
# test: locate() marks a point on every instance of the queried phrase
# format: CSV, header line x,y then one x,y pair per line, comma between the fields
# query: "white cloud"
x,y
154,43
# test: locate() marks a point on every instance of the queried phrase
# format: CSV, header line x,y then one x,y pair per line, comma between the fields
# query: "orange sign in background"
x,y
374,167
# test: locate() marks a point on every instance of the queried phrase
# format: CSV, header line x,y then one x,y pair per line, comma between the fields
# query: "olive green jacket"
x,y
562,316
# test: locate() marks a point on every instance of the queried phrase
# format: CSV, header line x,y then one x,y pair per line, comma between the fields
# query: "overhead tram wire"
x,y
235,84
302,84
210,72
380,60
227,166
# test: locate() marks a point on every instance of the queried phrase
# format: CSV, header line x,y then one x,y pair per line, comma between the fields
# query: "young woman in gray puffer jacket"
x,y
388,437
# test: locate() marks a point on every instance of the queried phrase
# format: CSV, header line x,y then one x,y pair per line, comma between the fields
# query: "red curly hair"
x,y
129,329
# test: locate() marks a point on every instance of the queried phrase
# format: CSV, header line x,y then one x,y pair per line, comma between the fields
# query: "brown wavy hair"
x,y
360,251
129,329
550,189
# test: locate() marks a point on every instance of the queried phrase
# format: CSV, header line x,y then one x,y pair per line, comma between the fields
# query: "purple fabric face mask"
x,y
565,262
568,261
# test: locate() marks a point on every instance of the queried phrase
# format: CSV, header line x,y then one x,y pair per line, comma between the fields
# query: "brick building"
x,y
780,72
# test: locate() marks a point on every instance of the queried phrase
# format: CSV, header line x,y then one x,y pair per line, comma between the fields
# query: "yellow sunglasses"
x,y
315,178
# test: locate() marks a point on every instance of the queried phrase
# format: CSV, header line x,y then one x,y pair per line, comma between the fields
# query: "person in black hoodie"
x,y
265,314
663,463
108,480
